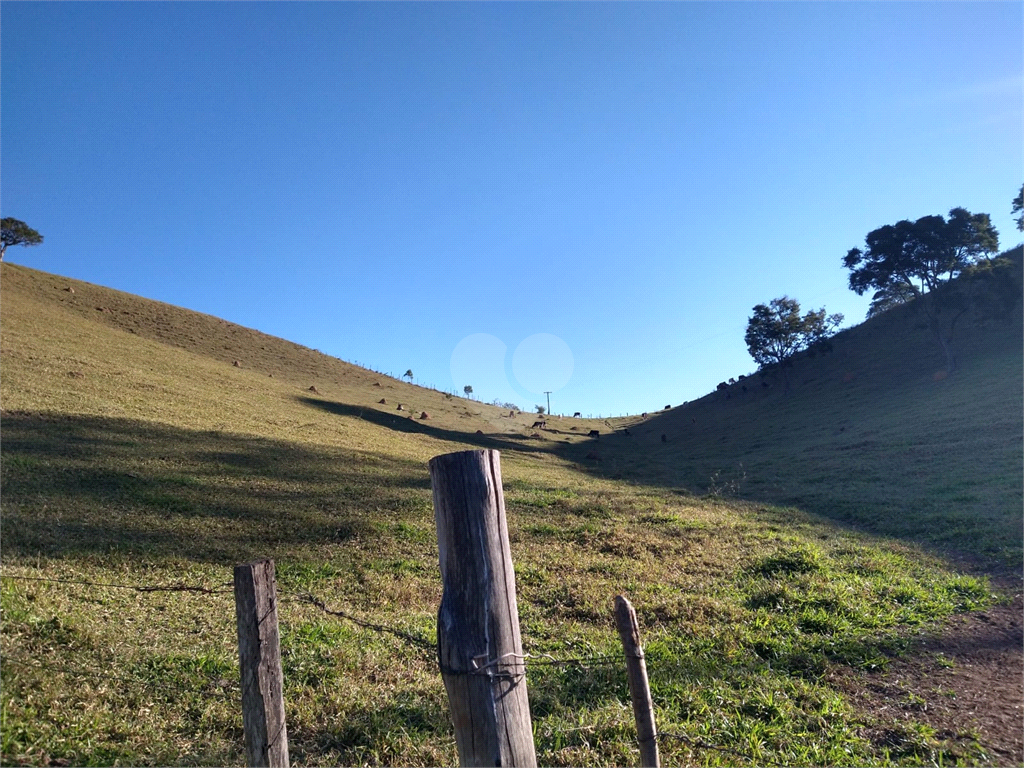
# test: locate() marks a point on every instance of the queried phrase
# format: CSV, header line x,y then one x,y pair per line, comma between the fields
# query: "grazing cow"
x,y
511,414
383,401
594,433
577,415
668,407
539,425
643,415
400,407
664,438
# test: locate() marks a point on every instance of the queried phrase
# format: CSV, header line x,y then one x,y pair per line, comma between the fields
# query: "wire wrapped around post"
x,y
480,651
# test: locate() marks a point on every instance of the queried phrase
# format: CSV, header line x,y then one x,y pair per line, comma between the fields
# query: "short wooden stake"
x,y
478,642
259,655
639,688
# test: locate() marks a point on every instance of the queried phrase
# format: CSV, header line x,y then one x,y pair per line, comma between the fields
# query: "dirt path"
x,y
966,681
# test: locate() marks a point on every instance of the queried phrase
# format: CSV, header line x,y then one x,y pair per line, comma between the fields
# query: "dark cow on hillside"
x,y
594,433
539,425
668,407
643,415
577,415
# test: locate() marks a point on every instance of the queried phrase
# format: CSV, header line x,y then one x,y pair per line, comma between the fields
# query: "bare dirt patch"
x,y
964,680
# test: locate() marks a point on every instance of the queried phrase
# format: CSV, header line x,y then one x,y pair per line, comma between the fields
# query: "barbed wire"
x,y
220,686
701,744
136,587
305,597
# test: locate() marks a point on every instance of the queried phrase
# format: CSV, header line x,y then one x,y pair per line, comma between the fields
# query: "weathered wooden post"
x,y
478,643
259,656
639,689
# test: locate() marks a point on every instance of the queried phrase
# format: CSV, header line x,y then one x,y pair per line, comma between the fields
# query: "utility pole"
x,y
549,402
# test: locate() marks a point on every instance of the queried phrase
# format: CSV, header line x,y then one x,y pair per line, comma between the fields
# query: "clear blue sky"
x,y
587,198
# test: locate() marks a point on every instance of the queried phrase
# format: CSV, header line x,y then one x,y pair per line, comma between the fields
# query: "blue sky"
x,y
586,198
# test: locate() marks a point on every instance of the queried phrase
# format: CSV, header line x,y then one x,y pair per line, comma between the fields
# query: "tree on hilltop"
x,y
1018,207
777,331
15,232
909,259
468,390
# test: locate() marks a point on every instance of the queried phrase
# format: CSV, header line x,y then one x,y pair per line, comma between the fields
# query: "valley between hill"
x,y
825,577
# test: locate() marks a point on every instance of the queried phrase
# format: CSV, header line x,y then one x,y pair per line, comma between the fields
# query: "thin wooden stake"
x,y
259,655
478,642
639,689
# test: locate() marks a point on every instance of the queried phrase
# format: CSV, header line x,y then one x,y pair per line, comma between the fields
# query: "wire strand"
x,y
136,587
222,684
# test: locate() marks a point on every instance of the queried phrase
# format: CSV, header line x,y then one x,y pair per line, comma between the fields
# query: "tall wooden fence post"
x,y
639,689
259,655
478,642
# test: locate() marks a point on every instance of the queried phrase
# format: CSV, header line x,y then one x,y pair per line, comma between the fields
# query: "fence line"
x,y
318,603
136,587
701,744
220,688
532,659
227,689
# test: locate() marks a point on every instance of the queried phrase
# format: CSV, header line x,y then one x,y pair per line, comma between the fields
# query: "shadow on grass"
x,y
409,423
102,486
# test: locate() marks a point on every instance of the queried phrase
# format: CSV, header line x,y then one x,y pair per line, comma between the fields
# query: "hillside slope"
x,y
872,434
71,345
135,454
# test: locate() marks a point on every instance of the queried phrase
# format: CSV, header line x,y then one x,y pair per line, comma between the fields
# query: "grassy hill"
x,y
769,541
872,434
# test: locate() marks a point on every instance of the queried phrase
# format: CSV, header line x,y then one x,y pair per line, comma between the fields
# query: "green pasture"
x,y
770,541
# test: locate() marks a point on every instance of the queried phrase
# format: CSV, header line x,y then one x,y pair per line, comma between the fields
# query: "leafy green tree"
x,y
777,331
540,409
890,296
1018,207
408,374
910,259
468,390
14,232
